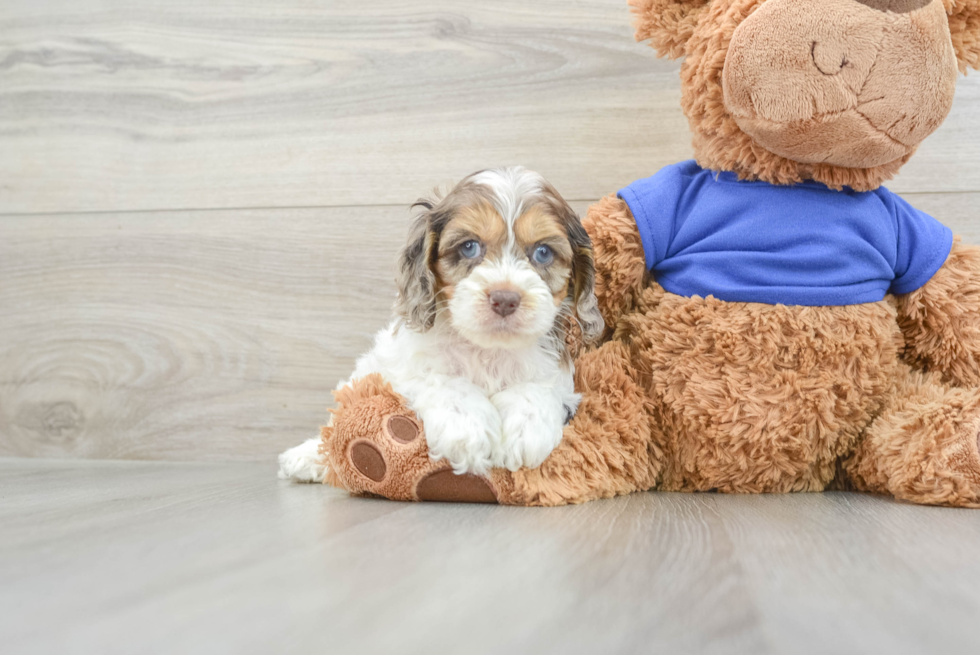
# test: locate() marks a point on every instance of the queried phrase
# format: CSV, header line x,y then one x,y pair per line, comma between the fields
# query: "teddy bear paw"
x,y
395,464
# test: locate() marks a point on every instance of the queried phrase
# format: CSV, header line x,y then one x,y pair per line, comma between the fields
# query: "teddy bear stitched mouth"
x,y
790,138
855,106
882,131
858,102
834,115
805,126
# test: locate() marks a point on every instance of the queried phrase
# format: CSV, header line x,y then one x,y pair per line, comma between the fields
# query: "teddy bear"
x,y
776,320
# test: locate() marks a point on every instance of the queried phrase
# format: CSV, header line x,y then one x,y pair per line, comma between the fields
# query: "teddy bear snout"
x,y
799,73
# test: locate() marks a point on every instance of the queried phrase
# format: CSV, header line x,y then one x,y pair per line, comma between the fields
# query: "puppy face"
x,y
502,259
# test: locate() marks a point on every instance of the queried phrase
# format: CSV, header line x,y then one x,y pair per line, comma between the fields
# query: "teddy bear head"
x,y
838,91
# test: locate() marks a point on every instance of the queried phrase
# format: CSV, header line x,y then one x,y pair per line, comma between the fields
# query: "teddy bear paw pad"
x,y
394,463
368,460
402,429
446,486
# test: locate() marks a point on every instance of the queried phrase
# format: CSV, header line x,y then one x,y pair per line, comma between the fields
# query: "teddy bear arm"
x,y
613,445
941,321
620,264
923,446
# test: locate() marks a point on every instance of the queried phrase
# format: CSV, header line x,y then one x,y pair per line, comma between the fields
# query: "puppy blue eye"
x,y
470,249
543,255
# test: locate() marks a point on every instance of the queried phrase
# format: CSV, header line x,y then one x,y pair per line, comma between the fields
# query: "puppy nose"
x,y
896,6
505,303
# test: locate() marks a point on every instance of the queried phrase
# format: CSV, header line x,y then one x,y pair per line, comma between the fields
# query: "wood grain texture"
x,y
192,335
124,557
177,104
211,335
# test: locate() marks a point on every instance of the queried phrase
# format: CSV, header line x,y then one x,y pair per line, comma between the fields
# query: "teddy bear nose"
x,y
896,6
505,303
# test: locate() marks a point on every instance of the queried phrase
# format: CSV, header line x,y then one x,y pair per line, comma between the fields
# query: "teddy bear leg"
x,y
924,446
376,445
612,447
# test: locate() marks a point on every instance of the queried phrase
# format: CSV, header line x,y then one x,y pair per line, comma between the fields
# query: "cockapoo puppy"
x,y
492,276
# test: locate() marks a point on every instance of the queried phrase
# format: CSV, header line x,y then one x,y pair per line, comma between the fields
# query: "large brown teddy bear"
x,y
727,368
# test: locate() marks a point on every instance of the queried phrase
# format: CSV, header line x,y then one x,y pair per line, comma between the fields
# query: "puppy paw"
x,y
529,431
303,463
463,440
527,441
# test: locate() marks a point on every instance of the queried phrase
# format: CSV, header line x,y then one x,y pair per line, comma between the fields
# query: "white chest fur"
x,y
481,407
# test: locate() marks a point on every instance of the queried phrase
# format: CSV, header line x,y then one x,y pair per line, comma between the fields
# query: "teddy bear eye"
x,y
470,249
543,255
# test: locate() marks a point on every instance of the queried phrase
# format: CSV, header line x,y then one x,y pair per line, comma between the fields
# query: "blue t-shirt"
x,y
708,234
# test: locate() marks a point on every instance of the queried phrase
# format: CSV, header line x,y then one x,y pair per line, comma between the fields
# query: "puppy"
x,y
489,282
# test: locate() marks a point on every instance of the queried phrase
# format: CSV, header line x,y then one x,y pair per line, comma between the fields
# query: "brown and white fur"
x,y
489,281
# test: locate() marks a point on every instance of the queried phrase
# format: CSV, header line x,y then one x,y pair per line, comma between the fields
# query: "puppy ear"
x,y
416,302
583,285
582,282
964,28
668,24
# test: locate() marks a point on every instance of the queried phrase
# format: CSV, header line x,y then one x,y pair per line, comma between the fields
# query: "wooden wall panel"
x,y
184,104
193,335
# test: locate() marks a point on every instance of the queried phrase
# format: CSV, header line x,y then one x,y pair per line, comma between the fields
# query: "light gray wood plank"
x,y
183,104
198,105
195,335
134,556
889,577
202,335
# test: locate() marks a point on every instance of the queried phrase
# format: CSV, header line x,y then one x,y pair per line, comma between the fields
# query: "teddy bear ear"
x,y
668,24
964,27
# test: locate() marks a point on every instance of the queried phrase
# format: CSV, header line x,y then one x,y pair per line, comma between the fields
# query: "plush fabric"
x,y
706,233
838,82
940,322
964,27
693,393
719,141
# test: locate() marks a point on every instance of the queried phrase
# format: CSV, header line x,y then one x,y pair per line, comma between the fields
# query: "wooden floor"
x,y
132,557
